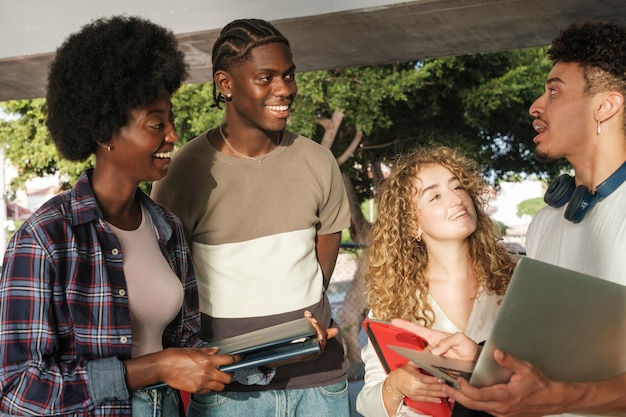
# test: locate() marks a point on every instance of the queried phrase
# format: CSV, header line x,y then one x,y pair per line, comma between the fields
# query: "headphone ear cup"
x,y
579,203
559,191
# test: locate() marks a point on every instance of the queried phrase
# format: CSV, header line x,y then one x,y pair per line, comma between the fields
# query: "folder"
x,y
288,342
382,334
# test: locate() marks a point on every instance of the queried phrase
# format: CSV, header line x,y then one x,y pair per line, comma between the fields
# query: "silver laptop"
x,y
570,325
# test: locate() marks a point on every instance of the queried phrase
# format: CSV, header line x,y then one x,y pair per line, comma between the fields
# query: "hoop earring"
x,y
109,148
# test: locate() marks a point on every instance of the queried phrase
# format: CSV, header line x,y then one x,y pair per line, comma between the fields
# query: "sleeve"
x,y
190,320
169,193
369,402
335,210
107,380
185,331
35,379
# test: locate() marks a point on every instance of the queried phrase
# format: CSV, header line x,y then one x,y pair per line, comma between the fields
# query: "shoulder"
x,y
162,216
302,147
197,148
300,141
188,162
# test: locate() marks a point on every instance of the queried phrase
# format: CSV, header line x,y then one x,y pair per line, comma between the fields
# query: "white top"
x,y
155,294
595,246
370,400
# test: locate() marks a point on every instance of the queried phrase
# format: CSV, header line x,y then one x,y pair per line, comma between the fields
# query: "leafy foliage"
x,y
478,103
29,146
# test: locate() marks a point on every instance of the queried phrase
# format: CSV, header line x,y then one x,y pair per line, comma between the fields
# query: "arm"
x,y
530,392
327,248
188,369
384,394
33,379
370,401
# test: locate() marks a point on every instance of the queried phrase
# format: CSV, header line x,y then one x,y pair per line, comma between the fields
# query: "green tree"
x,y
28,144
365,115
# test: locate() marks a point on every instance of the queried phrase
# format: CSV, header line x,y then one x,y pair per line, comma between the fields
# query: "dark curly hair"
x,y
599,48
99,74
237,39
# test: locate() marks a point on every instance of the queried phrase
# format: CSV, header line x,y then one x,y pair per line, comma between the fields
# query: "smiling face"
x,y
445,210
262,87
143,147
564,114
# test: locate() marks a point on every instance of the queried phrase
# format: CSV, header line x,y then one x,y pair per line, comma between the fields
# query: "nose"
x,y
455,199
172,136
286,88
536,108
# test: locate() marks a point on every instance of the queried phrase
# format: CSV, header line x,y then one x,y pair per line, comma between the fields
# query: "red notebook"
x,y
382,334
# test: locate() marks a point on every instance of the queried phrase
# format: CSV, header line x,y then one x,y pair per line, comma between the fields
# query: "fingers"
x,y
418,386
432,336
510,362
459,395
323,333
332,332
453,343
236,358
197,369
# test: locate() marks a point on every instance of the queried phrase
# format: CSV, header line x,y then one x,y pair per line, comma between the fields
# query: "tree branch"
x,y
349,152
331,126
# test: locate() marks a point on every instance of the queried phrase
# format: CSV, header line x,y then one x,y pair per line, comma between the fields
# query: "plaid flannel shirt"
x,y
64,318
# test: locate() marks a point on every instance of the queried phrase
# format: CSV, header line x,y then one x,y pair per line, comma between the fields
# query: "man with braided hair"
x,y
99,313
263,210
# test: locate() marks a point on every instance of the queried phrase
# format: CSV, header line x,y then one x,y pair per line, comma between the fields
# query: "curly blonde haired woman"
x,y
435,258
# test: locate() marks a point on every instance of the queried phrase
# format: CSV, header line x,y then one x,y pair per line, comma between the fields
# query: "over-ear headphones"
x,y
581,200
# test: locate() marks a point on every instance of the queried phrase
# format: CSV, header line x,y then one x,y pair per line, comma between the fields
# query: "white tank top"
x,y
155,294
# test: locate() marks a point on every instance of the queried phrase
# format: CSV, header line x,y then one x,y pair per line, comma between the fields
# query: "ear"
x,y
612,102
222,80
419,234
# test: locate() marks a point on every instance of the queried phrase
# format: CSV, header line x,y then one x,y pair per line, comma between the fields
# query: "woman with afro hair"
x,y
436,259
99,296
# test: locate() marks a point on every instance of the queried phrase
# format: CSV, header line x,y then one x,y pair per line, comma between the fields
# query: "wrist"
x,y
393,393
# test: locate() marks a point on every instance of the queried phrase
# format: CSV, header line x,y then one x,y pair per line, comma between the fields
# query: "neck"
x,y
594,166
450,264
117,200
242,149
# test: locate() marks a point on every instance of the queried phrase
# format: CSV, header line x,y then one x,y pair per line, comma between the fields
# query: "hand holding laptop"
x,y
528,379
528,383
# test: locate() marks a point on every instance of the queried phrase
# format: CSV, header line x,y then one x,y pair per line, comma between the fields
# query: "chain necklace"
x,y
259,159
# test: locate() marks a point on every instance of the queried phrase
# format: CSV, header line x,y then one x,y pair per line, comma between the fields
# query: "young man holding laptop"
x,y
580,117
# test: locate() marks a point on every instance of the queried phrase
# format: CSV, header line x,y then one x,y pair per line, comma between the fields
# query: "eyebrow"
x,y
289,70
431,187
554,80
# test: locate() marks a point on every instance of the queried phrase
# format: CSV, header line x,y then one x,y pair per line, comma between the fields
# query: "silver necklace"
x,y
259,159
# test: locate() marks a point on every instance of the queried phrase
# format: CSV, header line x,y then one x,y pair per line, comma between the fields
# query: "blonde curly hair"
x,y
394,279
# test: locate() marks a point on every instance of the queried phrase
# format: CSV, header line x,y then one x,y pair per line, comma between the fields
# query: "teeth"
x,y
278,108
163,155
539,128
458,215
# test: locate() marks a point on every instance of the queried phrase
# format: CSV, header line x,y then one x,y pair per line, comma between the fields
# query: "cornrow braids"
x,y
235,43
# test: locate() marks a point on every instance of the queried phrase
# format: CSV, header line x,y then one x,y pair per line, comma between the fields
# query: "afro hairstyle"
x,y
102,72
